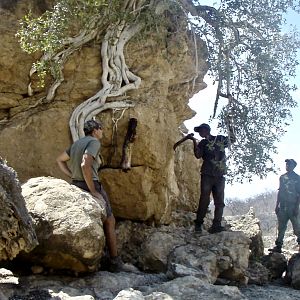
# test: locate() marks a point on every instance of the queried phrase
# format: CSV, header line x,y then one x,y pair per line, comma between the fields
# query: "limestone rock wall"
x,y
33,134
17,233
188,182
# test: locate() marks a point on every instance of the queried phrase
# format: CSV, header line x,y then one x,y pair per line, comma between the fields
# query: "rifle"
x,y
187,137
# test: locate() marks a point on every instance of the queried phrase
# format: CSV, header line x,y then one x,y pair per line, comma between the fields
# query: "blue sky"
x,y
288,147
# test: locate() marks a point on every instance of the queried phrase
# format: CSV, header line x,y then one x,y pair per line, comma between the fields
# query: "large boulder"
x,y
257,273
250,225
223,255
68,223
157,247
276,263
293,271
17,233
181,252
187,171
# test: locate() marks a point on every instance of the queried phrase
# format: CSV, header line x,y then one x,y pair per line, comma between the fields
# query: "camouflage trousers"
x,y
284,215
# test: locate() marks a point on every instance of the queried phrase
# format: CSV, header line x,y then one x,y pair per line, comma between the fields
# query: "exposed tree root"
x,y
116,79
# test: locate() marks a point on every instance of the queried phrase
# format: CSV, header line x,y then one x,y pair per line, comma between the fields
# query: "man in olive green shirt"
x,y
287,206
84,162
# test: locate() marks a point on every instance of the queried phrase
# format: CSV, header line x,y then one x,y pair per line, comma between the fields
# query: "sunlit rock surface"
x,y
16,230
41,131
68,223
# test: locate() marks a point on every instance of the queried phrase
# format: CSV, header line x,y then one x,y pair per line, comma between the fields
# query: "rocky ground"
x,y
104,285
163,261
270,291
186,281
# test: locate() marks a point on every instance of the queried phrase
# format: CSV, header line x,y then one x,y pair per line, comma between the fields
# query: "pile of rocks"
x,y
173,261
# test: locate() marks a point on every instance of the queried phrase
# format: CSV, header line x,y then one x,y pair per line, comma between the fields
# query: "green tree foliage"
x,y
250,58
59,28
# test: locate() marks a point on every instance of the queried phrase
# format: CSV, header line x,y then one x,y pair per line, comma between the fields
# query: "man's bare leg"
x,y
111,237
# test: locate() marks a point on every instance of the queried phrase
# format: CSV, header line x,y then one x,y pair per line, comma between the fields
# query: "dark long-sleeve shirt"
x,y
212,151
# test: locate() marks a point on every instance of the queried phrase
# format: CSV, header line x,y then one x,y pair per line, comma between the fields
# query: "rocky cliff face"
x,y
180,263
33,134
17,233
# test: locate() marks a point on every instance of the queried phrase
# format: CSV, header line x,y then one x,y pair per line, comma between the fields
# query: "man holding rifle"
x,y
212,150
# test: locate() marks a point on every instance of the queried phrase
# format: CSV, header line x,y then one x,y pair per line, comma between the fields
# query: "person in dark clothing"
x,y
287,205
212,150
84,162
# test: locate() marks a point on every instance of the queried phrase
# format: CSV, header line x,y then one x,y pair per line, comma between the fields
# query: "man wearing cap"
x,y
287,205
84,160
212,150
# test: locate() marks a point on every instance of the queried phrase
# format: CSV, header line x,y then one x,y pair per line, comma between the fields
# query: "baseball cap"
x,y
291,162
203,125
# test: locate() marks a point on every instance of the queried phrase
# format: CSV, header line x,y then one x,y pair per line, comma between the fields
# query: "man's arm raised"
x,y
198,148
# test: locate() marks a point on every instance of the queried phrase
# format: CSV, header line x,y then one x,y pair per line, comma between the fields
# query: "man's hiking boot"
x,y
216,229
276,249
117,265
198,228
